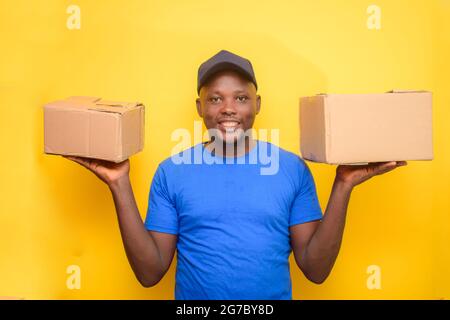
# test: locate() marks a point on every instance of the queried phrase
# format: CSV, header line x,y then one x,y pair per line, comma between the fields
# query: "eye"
x,y
215,99
242,98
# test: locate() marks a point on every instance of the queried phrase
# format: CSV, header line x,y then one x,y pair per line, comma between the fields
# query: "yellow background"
x,y
54,213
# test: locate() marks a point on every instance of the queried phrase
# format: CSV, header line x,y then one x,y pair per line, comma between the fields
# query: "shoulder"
x,y
287,158
177,161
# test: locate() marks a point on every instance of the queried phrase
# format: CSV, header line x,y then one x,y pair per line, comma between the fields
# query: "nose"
x,y
228,108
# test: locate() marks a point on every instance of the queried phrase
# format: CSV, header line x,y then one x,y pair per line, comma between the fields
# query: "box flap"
x,y
114,106
94,104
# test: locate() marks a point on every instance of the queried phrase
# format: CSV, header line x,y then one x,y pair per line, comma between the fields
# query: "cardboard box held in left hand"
x,y
94,128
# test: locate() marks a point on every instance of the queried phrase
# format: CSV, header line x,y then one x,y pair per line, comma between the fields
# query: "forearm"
x,y
322,250
141,250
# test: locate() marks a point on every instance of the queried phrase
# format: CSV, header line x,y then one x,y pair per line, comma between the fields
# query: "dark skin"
x,y
229,103
229,99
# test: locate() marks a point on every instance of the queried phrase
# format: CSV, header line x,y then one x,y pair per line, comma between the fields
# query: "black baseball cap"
x,y
225,60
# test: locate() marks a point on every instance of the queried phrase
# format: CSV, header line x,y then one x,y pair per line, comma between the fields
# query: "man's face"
x,y
228,103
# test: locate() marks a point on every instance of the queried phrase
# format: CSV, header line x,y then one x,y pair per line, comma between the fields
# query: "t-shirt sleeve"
x,y
306,205
161,213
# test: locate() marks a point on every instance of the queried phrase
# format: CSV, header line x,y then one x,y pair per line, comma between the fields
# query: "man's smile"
x,y
229,126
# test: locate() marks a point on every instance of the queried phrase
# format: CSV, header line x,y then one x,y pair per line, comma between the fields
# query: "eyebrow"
x,y
236,91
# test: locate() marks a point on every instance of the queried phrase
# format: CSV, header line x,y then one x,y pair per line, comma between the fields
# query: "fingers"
x,y
384,167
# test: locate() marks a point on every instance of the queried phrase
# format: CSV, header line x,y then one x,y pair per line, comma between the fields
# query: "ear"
x,y
258,103
199,107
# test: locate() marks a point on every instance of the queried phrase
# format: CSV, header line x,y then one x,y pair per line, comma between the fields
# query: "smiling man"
x,y
233,228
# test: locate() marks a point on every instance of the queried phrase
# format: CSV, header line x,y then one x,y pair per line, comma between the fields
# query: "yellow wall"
x,y
54,213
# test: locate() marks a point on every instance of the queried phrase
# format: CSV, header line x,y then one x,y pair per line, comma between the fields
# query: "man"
x,y
233,227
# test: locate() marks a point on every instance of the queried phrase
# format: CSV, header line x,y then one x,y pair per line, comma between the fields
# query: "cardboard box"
x,y
363,128
94,128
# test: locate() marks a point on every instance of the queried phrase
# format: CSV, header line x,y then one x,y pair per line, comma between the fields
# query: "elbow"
x,y
148,276
147,285
317,278
317,273
148,282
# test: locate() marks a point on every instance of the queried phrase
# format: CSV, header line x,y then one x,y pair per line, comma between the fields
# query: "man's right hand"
x,y
109,172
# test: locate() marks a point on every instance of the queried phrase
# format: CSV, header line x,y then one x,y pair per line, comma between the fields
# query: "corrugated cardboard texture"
x,y
94,128
362,128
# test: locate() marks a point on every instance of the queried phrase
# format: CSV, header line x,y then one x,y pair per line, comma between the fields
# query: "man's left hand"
x,y
353,175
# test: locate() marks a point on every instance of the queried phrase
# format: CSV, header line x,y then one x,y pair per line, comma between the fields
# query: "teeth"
x,y
230,130
229,124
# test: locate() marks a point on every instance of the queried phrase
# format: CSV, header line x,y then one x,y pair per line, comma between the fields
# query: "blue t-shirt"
x,y
232,219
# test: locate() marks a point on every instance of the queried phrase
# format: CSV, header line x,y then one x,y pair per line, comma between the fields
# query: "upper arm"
x,y
300,235
166,244
305,212
161,221
305,205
